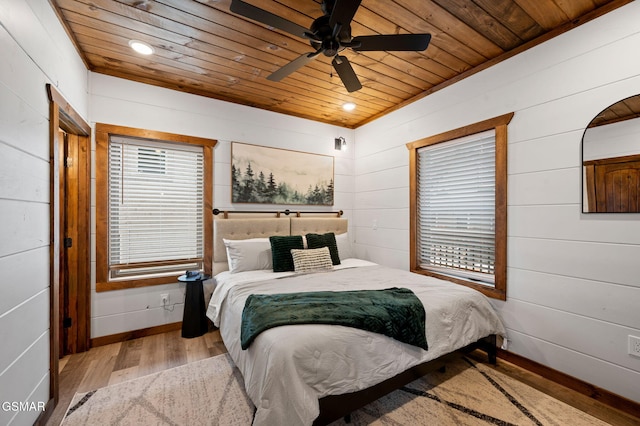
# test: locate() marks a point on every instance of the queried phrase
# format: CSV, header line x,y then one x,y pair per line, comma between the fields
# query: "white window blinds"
x,y
456,207
156,208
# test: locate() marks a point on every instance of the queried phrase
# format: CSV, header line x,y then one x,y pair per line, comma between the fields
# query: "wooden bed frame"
x,y
332,407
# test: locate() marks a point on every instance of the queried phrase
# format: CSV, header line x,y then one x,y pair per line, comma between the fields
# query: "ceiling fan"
x,y
329,35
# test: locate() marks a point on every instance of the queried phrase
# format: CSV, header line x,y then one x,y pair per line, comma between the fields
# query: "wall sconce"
x,y
341,144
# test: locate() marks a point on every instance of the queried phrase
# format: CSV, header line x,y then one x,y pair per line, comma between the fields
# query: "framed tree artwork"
x,y
278,176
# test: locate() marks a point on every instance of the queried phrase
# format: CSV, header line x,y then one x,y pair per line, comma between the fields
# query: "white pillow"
x,y
344,246
312,260
248,255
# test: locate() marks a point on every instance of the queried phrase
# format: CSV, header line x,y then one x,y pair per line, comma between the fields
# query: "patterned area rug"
x,y
465,394
210,392
207,392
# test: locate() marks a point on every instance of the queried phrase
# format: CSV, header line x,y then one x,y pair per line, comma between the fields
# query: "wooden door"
x,y
618,187
613,184
75,243
63,289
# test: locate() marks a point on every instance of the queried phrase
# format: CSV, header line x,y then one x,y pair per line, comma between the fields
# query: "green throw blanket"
x,y
394,312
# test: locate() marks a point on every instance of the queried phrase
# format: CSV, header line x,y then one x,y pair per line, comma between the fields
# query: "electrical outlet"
x,y
164,298
634,346
505,344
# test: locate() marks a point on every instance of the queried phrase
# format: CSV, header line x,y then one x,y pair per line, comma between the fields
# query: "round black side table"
x,y
194,319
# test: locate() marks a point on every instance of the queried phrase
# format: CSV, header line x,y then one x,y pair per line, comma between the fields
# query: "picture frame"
x,y
265,175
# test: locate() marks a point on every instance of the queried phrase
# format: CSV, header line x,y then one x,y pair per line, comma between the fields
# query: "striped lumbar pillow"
x,y
312,260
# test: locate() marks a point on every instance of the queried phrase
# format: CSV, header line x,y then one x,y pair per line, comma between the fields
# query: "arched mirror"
x,y
611,159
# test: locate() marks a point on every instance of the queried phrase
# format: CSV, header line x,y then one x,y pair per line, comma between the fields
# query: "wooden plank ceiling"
x,y
626,109
203,48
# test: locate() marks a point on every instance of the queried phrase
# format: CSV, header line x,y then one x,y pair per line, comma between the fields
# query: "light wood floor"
x,y
109,364
106,365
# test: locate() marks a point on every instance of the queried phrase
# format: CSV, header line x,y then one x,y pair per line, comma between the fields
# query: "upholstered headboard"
x,y
318,225
243,228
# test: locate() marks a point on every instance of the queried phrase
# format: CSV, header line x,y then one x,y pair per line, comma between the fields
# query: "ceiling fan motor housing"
x,y
324,38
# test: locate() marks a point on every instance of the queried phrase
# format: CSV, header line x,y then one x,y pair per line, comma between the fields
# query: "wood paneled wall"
x,y
572,279
35,51
131,104
572,286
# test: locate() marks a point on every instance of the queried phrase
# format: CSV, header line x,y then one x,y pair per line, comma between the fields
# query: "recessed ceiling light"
x,y
141,47
349,106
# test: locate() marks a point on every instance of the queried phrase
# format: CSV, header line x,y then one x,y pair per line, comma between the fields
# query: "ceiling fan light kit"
x,y
329,35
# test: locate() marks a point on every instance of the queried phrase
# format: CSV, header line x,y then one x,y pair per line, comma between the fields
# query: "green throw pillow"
x,y
315,241
281,251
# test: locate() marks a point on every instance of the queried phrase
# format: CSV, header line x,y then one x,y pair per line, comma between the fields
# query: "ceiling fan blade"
x,y
391,42
343,12
292,66
346,73
255,13
312,36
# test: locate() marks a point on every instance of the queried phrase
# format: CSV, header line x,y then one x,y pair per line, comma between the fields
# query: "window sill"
x,y
124,284
487,290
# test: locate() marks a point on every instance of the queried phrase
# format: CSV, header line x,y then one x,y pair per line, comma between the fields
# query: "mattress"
x,y
288,368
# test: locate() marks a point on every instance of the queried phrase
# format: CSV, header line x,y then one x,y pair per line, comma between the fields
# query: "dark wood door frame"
x,y
63,116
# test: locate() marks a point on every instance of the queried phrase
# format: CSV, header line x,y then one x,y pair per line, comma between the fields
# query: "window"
x,y
153,201
458,206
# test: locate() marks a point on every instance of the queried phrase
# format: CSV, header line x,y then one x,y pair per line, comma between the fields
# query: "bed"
x,y
295,374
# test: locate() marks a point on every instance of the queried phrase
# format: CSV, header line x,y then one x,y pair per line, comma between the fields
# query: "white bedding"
x,y
287,369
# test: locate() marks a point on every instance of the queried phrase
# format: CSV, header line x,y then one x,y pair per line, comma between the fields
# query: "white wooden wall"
x,y
35,50
116,101
573,287
613,140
